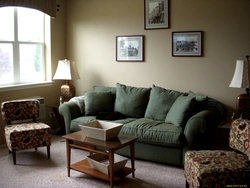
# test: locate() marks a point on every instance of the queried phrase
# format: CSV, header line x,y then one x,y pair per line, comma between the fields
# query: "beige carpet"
x,y
33,169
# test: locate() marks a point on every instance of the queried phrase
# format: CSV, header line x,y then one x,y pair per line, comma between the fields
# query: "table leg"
x,y
111,168
68,151
132,157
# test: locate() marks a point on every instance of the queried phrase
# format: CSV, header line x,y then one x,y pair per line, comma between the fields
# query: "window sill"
x,y
24,86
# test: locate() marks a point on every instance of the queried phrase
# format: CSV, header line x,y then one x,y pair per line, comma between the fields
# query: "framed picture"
x,y
156,14
187,43
130,48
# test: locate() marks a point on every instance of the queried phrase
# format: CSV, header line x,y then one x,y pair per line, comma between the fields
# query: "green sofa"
x,y
166,122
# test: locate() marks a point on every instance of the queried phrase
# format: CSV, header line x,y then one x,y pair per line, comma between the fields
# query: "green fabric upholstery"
x,y
160,102
200,101
96,102
214,103
156,153
154,132
105,89
86,119
80,103
131,101
158,141
180,111
74,125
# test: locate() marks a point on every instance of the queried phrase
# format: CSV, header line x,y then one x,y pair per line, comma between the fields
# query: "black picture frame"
x,y
130,48
187,44
156,14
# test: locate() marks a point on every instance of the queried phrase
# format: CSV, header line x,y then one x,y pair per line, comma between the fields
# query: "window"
x,y
23,46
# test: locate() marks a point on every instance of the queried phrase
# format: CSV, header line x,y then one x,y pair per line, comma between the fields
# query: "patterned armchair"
x,y
218,168
22,130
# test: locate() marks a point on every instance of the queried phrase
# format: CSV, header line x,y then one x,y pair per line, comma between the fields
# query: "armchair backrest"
x,y
17,111
240,136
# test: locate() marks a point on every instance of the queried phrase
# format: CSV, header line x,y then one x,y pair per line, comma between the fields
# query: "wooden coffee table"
x,y
110,147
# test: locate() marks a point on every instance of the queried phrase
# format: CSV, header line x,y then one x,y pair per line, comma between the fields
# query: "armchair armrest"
x,y
69,110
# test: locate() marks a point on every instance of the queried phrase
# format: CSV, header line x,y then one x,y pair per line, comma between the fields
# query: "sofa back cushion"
x,y
160,102
180,111
200,101
105,89
131,101
96,102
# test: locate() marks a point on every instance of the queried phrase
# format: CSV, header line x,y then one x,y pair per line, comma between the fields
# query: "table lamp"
x,y
241,80
66,70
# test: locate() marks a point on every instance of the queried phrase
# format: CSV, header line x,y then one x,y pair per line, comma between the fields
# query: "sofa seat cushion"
x,y
86,119
155,132
74,125
123,121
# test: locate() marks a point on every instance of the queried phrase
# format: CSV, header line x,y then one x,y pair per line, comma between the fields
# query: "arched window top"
x,y
46,6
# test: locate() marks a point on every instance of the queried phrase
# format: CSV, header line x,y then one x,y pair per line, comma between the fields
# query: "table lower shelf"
x,y
84,166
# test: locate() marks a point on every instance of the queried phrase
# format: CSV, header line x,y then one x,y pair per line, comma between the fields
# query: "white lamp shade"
x,y
66,70
241,75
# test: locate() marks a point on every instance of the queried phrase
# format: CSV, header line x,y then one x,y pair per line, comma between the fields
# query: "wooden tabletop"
x,y
114,143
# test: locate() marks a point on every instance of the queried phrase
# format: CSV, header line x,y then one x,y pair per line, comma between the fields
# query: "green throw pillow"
x,y
200,101
131,101
160,102
96,102
105,89
180,111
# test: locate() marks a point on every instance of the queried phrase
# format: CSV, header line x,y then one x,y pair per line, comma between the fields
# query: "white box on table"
x,y
101,130
100,162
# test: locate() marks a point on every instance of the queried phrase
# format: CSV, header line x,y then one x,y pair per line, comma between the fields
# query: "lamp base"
x,y
243,105
67,92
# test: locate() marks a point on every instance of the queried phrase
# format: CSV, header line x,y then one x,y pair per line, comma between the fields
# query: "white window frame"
x,y
46,57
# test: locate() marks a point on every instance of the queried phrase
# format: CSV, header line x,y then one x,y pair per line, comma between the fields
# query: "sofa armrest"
x,y
198,129
69,110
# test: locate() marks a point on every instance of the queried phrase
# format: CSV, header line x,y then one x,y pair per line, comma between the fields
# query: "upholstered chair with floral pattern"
x,y
22,131
219,168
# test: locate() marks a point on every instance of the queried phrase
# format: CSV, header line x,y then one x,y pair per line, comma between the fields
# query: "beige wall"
x,y
92,26
50,93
